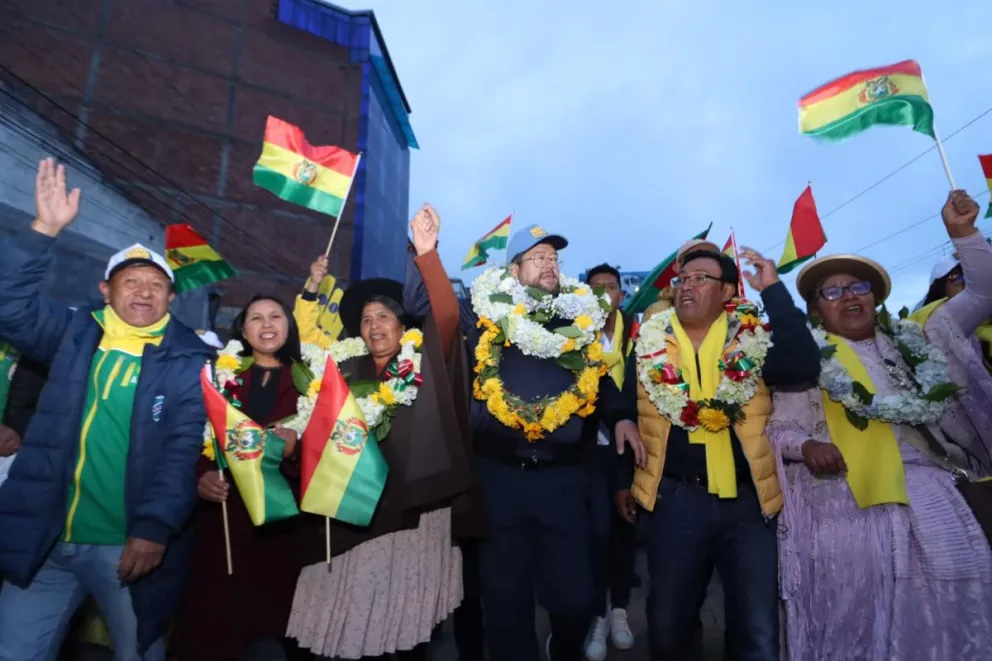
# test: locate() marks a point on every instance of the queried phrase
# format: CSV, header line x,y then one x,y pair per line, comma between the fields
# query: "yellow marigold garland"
x,y
535,419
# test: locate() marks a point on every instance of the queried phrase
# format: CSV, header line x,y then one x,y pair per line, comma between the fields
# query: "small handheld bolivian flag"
x,y
343,471
893,95
317,178
252,454
192,260
496,239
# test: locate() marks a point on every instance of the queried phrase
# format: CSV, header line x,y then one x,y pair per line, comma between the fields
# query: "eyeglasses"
x,y
693,280
956,277
543,260
836,292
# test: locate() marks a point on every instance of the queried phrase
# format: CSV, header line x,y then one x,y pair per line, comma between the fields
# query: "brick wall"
x,y
169,99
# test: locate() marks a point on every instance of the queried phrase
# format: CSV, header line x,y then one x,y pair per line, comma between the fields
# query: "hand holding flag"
x,y
959,214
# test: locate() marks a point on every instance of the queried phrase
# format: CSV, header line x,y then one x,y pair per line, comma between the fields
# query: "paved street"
x,y
445,647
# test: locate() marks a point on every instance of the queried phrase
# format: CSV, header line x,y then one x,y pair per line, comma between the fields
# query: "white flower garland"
x,y
515,305
910,406
396,391
671,396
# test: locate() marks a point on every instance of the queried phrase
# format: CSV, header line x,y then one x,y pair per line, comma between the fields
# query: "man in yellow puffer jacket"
x,y
709,485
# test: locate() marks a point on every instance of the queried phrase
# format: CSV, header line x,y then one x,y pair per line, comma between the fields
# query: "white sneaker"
x,y
596,639
620,633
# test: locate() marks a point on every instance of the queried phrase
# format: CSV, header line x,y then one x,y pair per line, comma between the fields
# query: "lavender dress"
x,y
892,582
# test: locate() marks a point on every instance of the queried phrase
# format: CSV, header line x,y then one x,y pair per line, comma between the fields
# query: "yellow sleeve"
x,y
306,314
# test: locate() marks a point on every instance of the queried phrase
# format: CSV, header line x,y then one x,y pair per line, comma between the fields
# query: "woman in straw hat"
x,y
881,557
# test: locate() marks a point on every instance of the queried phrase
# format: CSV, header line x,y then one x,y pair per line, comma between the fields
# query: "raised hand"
x,y
959,214
318,271
425,225
56,209
765,274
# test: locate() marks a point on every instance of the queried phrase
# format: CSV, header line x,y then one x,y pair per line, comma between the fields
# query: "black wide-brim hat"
x,y
357,295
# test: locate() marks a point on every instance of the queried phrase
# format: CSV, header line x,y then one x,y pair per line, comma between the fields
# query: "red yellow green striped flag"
x,y
317,178
494,240
192,260
252,454
343,471
986,162
730,250
892,95
806,235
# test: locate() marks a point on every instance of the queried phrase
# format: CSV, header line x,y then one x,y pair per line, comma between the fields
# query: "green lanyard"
x,y
8,359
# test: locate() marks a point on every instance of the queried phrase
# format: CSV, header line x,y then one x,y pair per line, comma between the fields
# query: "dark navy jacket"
x,y
166,435
529,378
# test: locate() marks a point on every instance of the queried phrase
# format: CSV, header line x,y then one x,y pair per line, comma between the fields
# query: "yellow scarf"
x,y
119,335
720,470
875,472
613,358
922,315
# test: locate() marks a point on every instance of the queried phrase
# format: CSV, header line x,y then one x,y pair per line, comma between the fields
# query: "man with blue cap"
x,y
532,469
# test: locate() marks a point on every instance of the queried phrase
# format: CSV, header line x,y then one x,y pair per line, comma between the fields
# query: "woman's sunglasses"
x,y
836,292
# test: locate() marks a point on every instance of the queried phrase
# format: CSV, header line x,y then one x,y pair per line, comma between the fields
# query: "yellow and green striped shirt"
x,y
96,512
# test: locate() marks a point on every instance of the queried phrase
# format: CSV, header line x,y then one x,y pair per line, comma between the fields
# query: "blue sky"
x,y
630,128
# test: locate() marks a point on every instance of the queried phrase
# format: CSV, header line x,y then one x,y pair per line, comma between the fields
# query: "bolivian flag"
x,y
986,162
317,178
806,236
192,260
343,471
852,103
496,239
252,454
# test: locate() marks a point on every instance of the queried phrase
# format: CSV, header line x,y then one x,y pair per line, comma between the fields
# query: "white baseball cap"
x,y
135,255
943,266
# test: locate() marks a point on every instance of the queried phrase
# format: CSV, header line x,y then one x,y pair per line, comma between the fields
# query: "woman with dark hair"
x,y
225,615
392,582
946,282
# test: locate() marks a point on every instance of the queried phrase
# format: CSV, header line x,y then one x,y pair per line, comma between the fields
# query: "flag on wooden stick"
x,y
317,178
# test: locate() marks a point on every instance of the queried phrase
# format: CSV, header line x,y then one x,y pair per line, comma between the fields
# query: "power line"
x,y
280,265
894,172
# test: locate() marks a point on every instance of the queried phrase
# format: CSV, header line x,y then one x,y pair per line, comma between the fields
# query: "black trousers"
x,y
693,531
538,543
614,546
470,630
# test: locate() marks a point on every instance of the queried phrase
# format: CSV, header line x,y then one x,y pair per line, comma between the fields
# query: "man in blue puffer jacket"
x,y
100,498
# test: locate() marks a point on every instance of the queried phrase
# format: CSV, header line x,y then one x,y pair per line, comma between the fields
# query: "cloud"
x,y
631,127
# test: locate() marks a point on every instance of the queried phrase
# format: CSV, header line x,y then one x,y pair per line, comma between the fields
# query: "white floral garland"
x,y
575,302
910,407
392,392
670,399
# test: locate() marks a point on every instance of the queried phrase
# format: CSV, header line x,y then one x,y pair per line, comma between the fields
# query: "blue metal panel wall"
x,y
382,187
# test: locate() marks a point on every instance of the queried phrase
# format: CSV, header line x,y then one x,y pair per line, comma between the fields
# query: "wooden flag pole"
x,y
220,474
327,540
227,530
940,145
337,221
943,159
